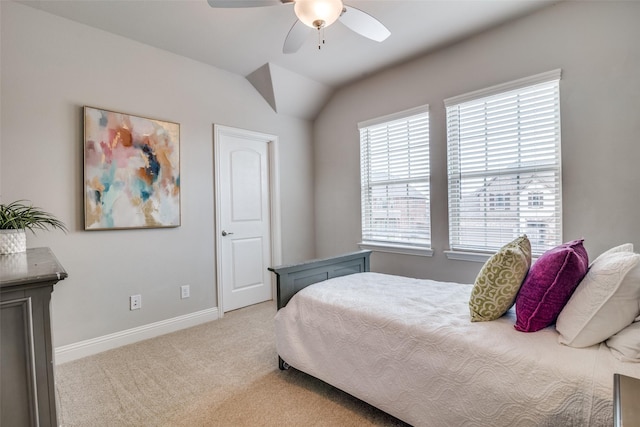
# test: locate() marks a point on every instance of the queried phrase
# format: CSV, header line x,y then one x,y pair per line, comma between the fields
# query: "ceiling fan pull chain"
x,y
320,37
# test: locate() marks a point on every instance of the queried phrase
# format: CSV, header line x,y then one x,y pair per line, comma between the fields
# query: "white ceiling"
x,y
243,40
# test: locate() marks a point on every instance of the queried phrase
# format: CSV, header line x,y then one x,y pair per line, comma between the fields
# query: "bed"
x,y
407,347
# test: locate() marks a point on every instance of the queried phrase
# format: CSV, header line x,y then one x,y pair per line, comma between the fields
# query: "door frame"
x,y
274,200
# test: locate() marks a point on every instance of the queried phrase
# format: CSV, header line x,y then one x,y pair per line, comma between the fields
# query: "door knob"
x,y
224,233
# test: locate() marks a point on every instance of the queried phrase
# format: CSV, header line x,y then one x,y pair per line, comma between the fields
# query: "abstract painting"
x,y
131,171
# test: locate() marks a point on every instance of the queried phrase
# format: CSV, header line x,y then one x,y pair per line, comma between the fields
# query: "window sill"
x,y
397,249
467,256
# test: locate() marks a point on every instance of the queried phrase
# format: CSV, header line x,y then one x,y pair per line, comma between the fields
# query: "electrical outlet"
x,y
184,291
135,302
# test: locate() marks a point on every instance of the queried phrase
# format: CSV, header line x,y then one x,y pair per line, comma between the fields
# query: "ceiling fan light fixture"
x,y
318,13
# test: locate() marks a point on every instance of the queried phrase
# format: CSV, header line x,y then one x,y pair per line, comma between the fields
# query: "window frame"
x,y
458,250
379,244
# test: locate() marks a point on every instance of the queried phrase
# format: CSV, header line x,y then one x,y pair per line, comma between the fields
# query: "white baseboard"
x,y
67,353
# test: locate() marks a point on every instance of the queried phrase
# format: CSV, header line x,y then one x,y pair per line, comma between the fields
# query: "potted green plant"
x,y
17,217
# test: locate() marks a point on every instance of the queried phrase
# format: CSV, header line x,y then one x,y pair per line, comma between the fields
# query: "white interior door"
x,y
243,217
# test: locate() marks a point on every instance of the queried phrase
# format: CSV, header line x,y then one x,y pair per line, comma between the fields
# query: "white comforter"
x,y
407,346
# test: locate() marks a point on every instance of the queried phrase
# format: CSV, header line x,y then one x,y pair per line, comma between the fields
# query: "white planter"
x,y
14,265
12,241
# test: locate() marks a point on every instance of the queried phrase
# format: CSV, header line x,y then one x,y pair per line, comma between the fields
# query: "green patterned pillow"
x,y
499,281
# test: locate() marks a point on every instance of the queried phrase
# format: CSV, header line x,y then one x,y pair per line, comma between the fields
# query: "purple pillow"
x,y
549,285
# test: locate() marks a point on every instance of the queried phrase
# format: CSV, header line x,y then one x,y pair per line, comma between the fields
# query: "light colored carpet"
x,y
222,373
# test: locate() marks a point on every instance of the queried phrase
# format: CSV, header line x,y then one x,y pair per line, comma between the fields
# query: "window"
x,y
394,166
503,151
536,232
536,200
499,201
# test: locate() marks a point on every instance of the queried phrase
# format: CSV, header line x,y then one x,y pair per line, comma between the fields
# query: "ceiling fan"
x,y
316,14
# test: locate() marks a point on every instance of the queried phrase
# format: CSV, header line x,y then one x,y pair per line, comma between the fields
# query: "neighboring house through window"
x,y
503,149
394,166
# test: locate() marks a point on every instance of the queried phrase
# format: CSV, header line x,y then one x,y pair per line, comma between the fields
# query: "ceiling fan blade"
x,y
364,24
244,3
298,34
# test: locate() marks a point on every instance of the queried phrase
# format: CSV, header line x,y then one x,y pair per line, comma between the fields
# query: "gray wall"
x,y
596,46
51,67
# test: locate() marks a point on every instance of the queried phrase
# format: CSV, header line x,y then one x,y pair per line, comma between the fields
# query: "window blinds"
x,y
395,179
504,168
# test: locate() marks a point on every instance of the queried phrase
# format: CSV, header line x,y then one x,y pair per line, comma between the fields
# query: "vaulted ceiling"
x,y
248,41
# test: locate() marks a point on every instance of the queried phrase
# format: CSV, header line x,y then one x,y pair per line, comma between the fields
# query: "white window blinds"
x,y
504,165
394,167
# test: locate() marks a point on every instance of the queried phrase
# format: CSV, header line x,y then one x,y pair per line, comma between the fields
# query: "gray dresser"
x,y
27,389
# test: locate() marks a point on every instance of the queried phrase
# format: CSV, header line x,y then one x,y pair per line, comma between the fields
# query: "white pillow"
x,y
625,345
605,302
626,247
